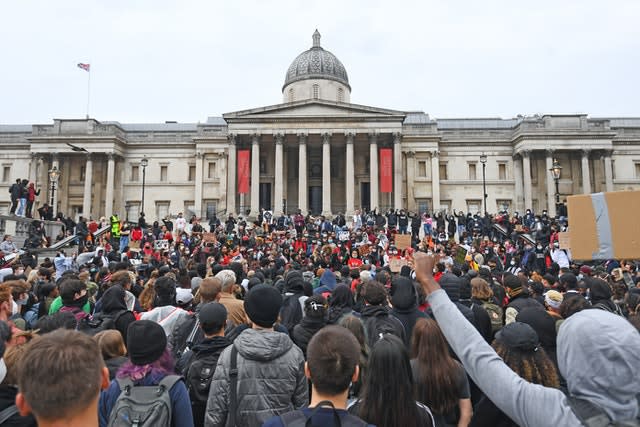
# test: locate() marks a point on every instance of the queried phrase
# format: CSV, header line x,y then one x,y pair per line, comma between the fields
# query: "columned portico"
x,y
326,173
255,175
519,185
586,179
373,170
302,174
435,181
526,172
350,182
88,180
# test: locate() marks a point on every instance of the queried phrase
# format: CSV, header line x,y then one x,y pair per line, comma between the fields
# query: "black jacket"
x,y
405,306
376,318
8,398
113,304
303,332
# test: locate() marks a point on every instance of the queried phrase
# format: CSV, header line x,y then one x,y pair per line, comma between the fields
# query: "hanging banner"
x,y
243,171
386,170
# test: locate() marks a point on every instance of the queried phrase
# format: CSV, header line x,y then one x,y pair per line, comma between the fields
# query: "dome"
x,y
316,63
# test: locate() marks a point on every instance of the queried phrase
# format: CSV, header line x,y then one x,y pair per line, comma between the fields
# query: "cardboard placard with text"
x,y
396,264
209,237
403,241
564,240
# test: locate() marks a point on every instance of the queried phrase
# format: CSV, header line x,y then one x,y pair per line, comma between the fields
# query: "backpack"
x,y
377,326
591,415
299,419
143,406
99,322
291,312
495,314
198,374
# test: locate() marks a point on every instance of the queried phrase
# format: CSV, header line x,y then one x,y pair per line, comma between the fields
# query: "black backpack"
x,y
99,322
378,326
299,419
198,374
591,415
291,312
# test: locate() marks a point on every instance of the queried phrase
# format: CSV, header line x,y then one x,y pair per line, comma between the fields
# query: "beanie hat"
x,y
569,280
512,281
451,285
518,335
293,281
146,341
213,314
262,305
553,299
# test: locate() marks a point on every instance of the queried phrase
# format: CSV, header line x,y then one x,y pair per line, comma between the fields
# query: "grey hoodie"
x,y
598,353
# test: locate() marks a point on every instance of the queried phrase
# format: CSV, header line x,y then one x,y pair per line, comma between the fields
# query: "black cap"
x,y
146,341
213,314
262,304
518,335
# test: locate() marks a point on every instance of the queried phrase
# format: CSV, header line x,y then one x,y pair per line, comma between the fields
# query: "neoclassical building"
x,y
319,152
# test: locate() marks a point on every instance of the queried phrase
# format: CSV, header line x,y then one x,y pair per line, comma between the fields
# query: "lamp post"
x,y
556,170
144,163
54,175
483,160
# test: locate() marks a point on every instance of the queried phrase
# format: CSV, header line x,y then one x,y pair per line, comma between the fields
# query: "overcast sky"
x,y
158,60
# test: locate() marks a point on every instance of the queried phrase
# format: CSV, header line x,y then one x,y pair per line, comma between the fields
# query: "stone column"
x,y
88,180
232,173
33,169
55,163
526,172
303,197
411,173
197,196
517,173
586,178
608,171
278,191
111,168
350,181
397,171
326,174
373,171
255,176
551,185
435,181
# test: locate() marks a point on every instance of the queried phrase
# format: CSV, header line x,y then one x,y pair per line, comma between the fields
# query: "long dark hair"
x,y
435,380
387,398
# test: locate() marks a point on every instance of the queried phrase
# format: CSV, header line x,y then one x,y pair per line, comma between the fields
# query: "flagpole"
x,y
88,91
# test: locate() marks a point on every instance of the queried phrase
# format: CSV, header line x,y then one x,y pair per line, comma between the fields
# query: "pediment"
x,y
315,110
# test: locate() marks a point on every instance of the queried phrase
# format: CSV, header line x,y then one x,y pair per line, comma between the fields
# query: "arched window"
x,y
340,95
316,91
291,95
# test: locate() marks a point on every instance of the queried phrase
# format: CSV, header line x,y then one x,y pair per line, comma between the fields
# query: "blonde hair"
x,y
111,343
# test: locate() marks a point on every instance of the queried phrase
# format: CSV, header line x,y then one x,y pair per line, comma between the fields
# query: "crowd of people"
x,y
387,319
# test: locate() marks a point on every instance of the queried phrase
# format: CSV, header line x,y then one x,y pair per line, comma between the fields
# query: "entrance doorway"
x,y
265,196
315,200
365,195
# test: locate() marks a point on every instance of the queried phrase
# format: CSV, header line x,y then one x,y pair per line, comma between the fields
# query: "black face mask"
x,y
80,302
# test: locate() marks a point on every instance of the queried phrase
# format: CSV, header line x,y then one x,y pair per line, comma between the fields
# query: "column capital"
x,y
525,153
111,156
54,157
373,137
278,137
549,152
397,137
435,154
255,138
326,137
350,136
302,137
607,153
232,138
585,152
199,155
410,154
89,156
35,156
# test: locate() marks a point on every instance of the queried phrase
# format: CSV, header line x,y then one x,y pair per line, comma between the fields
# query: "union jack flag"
x,y
86,67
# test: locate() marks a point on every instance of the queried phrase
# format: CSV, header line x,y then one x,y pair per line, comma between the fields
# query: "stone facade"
x,y
319,153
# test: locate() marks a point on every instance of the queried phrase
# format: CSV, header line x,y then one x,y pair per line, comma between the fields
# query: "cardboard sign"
x,y
564,240
519,228
343,236
209,237
403,241
602,225
396,264
134,245
461,254
364,250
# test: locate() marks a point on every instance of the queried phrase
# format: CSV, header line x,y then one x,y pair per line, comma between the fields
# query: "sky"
x,y
156,60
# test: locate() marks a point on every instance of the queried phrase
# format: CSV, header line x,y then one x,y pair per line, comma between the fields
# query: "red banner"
x,y
386,170
243,171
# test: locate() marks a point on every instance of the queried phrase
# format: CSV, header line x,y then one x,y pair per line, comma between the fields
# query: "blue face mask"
x,y
330,240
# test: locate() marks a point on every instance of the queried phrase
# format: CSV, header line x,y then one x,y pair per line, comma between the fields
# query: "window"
x,y
503,205
291,95
472,172
6,173
135,173
502,171
212,208
423,205
316,91
162,210
211,173
443,171
636,165
192,173
340,94
473,206
422,168
132,210
163,173
190,209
